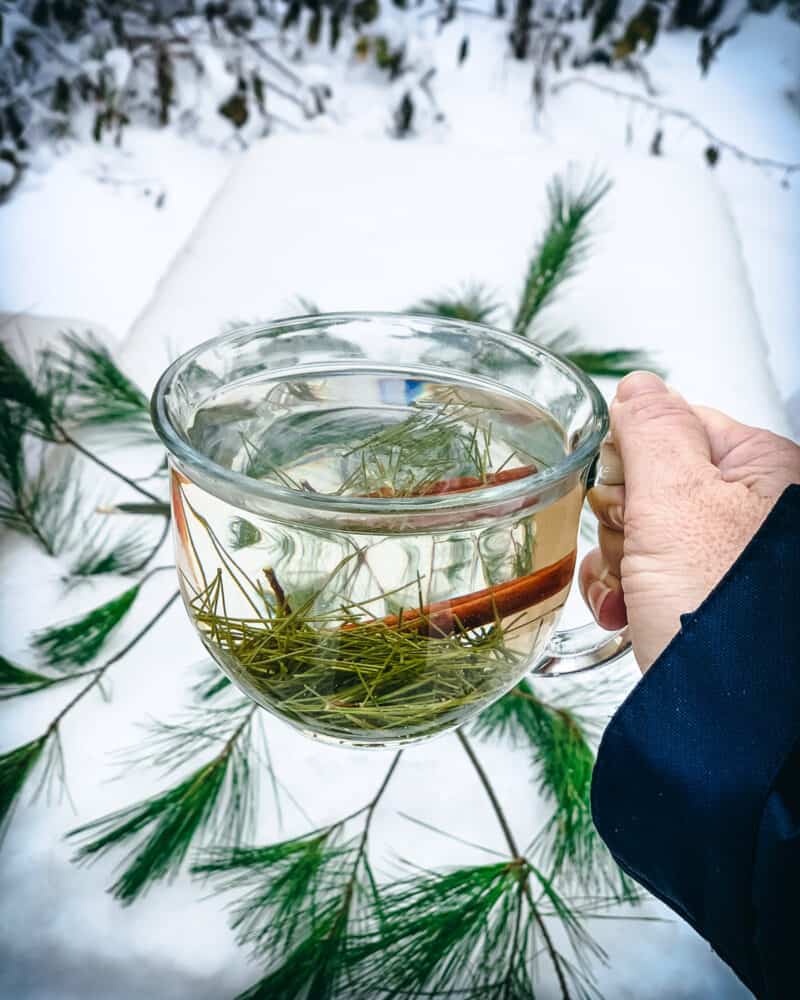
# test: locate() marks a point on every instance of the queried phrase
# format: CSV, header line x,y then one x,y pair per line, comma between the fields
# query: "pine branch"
x,y
563,761
562,247
96,391
52,504
18,681
37,407
555,958
216,798
44,506
614,363
211,683
17,765
280,886
473,303
460,932
303,903
42,756
121,554
77,642
67,438
40,409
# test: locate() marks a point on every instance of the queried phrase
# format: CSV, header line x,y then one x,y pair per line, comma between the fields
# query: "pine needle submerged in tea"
x,y
408,634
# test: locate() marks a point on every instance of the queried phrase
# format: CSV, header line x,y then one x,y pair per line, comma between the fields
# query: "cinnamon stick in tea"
x,y
461,484
483,607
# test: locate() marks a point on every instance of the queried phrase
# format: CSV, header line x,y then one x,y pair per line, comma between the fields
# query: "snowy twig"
x,y
670,112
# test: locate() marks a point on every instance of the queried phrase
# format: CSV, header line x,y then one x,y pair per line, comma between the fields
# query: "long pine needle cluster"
x,y
562,246
77,642
214,800
16,681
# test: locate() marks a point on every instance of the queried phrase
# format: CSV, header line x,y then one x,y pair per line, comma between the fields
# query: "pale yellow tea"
x,y
375,630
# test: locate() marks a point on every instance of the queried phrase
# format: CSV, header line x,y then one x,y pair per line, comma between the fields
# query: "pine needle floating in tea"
x,y
438,441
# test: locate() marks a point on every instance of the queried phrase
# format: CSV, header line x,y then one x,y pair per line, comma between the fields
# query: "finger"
x,y
763,461
609,467
602,592
608,505
660,438
724,433
611,545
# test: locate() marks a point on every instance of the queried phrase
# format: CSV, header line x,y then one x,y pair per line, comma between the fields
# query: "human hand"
x,y
697,487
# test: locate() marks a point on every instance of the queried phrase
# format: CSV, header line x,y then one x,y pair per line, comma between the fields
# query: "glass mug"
x,y
375,517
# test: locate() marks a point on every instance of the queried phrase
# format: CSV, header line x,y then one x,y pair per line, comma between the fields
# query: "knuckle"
x,y
653,406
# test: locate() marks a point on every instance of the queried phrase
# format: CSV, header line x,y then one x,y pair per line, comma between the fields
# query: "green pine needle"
x,y
211,682
284,887
614,363
17,681
53,503
16,767
562,246
564,761
318,966
120,554
36,407
44,506
215,800
463,932
473,303
77,642
97,391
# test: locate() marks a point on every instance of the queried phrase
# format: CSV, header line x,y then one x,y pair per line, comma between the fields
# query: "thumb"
x,y
661,440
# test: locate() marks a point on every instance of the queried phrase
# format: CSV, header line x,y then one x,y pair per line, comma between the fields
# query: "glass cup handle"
x,y
584,647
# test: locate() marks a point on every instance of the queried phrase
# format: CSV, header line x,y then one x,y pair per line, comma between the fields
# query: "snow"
x,y
90,232
85,236
370,239
71,245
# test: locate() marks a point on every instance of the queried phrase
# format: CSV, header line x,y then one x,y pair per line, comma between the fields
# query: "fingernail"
x,y
639,383
612,613
596,593
616,516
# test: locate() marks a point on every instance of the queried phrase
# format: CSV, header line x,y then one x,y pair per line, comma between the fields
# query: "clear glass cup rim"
x,y
191,458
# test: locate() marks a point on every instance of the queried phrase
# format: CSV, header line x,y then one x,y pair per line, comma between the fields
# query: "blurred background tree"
x,y
93,68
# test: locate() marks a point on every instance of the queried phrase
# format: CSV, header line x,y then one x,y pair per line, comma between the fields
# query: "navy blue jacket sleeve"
x,y
696,789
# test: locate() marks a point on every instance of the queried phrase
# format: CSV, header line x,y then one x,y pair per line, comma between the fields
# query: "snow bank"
x,y
361,225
